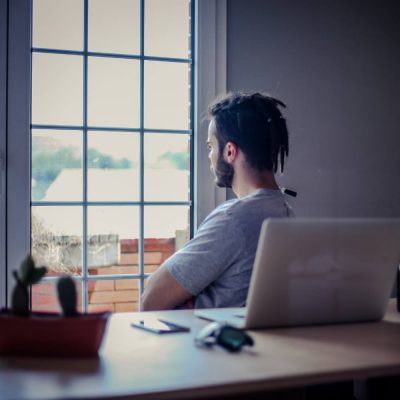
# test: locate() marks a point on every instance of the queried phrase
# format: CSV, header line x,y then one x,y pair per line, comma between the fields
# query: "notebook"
x,y
318,271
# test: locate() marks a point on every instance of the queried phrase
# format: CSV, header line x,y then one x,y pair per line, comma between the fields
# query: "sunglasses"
x,y
224,335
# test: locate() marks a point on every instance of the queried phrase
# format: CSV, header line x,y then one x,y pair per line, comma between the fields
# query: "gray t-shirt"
x,y
215,266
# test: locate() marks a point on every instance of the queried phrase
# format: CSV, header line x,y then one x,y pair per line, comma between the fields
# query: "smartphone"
x,y
159,326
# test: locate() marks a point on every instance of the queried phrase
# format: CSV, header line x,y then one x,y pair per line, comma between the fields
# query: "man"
x,y
247,139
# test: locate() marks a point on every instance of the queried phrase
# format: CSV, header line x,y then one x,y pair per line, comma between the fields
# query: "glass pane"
x,y
45,299
57,89
167,28
166,95
166,163
113,166
113,92
114,26
108,229
57,238
166,230
56,165
119,295
58,24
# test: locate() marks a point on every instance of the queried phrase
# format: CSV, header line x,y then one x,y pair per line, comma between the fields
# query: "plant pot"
x,y
51,335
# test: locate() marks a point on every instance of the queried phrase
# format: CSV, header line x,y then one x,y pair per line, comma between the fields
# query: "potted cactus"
x,y
39,334
67,297
27,275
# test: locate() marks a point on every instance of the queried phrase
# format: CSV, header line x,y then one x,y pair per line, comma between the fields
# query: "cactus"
x,y
67,296
26,276
20,298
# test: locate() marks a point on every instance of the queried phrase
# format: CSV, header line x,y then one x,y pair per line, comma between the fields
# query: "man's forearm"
x,y
163,292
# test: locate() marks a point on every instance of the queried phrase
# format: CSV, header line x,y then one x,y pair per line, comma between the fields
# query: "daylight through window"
x,y
111,144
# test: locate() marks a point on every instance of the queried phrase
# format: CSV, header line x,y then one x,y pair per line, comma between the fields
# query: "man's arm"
x,y
163,292
194,267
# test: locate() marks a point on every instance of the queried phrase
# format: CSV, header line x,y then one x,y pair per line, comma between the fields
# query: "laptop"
x,y
318,271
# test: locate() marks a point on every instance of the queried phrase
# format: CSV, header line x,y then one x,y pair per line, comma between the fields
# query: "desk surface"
x,y
136,363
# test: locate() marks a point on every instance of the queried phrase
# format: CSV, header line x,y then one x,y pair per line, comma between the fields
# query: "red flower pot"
x,y
51,335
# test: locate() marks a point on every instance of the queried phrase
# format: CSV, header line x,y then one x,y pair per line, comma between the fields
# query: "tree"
x,y
46,166
179,160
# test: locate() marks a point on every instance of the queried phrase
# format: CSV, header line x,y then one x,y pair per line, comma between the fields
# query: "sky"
x,y
113,84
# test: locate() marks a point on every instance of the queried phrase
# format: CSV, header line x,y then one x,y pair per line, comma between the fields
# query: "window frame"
x,y
3,144
209,80
141,131
17,139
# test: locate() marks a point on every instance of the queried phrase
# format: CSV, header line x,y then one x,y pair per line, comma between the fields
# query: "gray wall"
x,y
336,64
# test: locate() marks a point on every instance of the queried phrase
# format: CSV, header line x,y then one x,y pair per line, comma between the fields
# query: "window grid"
x,y
110,129
84,160
141,152
111,55
141,276
111,203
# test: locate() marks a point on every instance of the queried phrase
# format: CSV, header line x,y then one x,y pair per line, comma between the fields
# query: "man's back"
x,y
216,265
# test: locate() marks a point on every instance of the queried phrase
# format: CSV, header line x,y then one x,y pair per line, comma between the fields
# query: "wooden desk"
x,y
134,363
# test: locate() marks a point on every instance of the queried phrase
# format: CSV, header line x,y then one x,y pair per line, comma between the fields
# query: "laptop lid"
x,y
320,271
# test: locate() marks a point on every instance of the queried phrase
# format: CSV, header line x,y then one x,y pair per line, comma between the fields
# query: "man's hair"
x,y
255,124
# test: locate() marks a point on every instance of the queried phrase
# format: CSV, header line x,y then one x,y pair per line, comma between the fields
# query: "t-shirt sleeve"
x,y
216,245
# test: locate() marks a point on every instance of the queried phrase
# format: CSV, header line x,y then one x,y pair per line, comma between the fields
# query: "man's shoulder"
x,y
261,204
222,208
264,198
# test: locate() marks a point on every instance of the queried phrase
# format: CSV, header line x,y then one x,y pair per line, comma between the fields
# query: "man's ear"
x,y
231,151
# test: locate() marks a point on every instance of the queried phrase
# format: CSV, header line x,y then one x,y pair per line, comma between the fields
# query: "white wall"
x,y
336,65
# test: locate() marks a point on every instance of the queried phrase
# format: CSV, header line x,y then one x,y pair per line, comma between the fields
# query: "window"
x,y
111,144
3,150
16,133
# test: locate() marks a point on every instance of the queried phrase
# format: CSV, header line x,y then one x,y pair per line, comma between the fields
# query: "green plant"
x,y
67,297
26,276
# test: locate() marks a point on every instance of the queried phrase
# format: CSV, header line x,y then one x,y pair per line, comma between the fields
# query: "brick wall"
x,y
115,295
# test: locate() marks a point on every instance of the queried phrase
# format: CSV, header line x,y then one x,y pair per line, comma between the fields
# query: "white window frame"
x,y
15,75
3,143
16,136
211,81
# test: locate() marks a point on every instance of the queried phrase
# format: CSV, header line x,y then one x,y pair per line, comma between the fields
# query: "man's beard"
x,y
224,173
